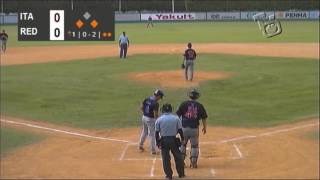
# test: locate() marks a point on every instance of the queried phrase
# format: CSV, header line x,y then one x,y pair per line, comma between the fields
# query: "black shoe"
x,y
169,177
193,166
141,149
182,176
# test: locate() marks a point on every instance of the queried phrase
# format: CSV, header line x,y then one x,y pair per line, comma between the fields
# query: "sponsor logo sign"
x,y
168,16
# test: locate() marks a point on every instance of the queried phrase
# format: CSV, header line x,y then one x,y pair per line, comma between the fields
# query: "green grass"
x,y
11,139
199,32
95,94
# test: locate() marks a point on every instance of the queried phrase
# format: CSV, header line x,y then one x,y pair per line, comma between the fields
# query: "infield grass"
x,y
96,93
11,139
197,32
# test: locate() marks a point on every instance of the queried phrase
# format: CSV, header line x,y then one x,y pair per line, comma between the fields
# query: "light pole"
x,y
172,4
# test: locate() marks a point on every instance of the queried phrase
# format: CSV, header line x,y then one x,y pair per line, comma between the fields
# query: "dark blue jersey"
x,y
150,105
190,54
191,112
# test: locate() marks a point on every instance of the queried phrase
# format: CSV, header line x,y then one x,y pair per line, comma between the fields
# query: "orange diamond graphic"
x,y
109,34
79,24
104,34
94,24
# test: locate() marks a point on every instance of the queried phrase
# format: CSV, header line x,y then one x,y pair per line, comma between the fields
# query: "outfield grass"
x,y
199,32
95,94
12,139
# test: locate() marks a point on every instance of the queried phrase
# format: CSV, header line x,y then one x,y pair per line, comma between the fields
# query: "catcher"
x,y
188,62
191,112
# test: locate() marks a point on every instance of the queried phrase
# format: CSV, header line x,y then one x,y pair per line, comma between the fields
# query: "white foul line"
x,y
260,135
153,167
286,130
63,131
238,151
213,172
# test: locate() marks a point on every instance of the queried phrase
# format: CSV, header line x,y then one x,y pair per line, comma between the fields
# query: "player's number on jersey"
x,y
56,24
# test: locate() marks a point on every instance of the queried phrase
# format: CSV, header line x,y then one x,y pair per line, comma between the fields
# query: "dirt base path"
x,y
29,55
279,152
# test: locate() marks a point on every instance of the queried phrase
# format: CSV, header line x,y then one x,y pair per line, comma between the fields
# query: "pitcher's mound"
x,y
175,78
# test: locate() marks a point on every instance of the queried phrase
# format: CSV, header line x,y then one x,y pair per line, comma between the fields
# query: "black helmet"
x,y
194,94
158,92
166,108
189,45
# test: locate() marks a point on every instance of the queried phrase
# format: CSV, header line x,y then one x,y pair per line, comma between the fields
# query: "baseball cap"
x,y
158,92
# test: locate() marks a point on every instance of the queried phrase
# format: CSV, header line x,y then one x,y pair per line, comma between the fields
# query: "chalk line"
x,y
238,151
246,137
63,131
124,152
213,172
153,167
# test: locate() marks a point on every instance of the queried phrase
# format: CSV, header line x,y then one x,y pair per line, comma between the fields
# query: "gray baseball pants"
x,y
189,69
191,134
148,129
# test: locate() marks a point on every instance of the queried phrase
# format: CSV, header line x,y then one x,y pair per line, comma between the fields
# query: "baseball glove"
x,y
183,66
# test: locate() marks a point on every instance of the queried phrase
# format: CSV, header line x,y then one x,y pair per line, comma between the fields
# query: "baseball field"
x,y
71,109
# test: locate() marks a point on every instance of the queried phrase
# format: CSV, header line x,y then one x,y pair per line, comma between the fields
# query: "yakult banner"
x,y
248,15
223,15
292,14
169,16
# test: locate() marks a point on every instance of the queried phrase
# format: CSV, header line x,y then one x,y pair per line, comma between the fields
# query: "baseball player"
x,y
150,21
188,64
123,44
190,112
168,126
150,108
3,41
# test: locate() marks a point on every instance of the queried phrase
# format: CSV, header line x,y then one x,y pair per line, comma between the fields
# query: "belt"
x,y
168,137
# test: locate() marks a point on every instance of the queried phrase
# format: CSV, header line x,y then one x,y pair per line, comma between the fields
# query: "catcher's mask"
x,y
194,94
166,108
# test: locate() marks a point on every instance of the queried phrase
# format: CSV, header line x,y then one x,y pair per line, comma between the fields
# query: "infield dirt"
x,y
29,55
278,152
175,79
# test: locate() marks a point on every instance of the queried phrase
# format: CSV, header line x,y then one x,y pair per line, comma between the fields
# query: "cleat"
x,y
141,149
193,166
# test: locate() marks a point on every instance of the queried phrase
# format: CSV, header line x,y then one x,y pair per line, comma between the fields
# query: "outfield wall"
x,y
12,18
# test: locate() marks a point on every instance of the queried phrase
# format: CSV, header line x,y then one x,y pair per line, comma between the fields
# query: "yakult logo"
x,y
174,16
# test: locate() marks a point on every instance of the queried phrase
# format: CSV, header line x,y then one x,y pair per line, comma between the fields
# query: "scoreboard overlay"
x,y
87,23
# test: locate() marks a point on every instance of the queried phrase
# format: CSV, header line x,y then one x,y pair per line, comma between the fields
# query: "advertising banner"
x,y
169,16
248,15
314,15
292,14
216,16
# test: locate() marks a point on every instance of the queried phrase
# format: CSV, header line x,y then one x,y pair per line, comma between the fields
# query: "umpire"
x,y
123,44
191,112
168,126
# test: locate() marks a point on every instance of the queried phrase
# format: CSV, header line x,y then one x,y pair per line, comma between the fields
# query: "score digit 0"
x,y
56,24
